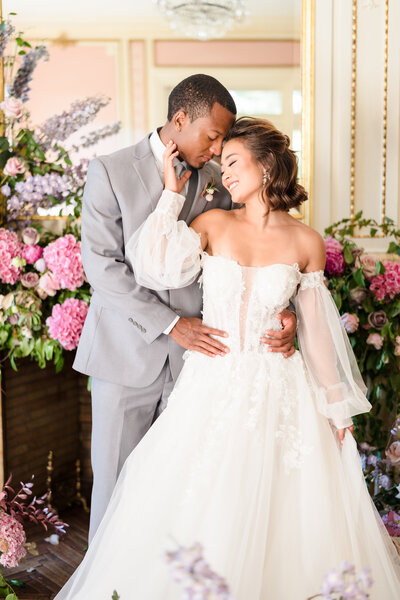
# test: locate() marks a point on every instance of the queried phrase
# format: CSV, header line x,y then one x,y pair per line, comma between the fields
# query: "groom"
x,y
134,338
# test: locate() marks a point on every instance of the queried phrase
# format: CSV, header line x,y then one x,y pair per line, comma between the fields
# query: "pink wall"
x,y
74,72
232,53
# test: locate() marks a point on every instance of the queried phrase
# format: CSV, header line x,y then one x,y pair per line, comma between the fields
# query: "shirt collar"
x,y
157,147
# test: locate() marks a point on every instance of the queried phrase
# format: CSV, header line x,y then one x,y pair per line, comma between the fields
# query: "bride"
x,y
254,456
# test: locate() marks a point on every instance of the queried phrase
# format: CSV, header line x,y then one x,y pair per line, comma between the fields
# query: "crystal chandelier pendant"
x,y
202,19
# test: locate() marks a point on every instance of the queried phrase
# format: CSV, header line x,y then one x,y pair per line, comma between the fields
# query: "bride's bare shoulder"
x,y
210,219
312,245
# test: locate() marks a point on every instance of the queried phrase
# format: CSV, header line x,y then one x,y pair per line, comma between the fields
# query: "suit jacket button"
x,y
130,320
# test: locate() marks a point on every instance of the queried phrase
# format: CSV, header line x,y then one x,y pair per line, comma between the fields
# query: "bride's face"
x,y
241,173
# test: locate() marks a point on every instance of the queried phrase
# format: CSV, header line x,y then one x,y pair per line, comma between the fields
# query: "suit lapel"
x,y
146,169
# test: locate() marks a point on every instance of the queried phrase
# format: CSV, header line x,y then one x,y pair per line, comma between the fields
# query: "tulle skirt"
x,y
242,462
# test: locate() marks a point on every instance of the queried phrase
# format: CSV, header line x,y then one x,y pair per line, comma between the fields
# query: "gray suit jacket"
x,y
122,340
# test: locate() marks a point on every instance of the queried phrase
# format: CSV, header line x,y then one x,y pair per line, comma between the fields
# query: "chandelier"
x,y
202,19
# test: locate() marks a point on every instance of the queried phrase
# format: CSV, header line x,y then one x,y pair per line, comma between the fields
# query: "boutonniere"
x,y
208,191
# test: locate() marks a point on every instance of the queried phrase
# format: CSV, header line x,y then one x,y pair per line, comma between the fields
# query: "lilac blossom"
x,y
19,88
81,112
194,574
6,31
38,191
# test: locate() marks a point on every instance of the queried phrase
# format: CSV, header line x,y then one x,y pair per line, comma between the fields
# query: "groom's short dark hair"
x,y
197,94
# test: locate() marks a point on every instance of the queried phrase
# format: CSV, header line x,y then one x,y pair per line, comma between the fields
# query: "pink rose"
x,y
30,280
350,322
31,253
368,262
397,350
334,256
358,295
13,319
12,107
375,340
41,293
14,166
393,453
49,284
30,235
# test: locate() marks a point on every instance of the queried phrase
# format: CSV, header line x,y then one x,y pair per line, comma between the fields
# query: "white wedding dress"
x,y
244,459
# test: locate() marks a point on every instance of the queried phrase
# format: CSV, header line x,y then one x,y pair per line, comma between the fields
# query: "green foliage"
x,y
6,590
351,291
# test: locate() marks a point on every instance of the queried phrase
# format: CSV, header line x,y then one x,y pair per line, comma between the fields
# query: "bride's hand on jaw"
x,y
283,340
171,181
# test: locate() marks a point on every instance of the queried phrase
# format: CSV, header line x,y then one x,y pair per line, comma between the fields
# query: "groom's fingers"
x,y
190,333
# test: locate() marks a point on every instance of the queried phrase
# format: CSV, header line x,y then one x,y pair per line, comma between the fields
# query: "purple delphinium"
x,y
93,137
6,31
81,112
19,88
345,584
194,574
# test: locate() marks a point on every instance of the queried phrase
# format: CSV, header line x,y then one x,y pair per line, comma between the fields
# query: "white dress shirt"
x,y
158,148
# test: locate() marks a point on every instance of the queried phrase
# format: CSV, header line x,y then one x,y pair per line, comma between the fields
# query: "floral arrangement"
x,y
15,508
44,293
46,296
366,291
198,581
345,584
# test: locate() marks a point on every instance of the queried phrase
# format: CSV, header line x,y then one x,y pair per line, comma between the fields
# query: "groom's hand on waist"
x,y
283,340
190,333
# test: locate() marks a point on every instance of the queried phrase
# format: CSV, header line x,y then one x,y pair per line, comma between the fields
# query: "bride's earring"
x,y
266,176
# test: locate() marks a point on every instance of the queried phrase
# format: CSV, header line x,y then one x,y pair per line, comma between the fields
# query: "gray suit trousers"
x,y
122,415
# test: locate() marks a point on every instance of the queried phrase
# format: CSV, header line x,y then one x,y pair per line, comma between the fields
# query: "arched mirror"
x,y
127,51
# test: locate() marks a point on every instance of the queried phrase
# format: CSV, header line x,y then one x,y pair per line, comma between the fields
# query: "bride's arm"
x,y
325,347
165,253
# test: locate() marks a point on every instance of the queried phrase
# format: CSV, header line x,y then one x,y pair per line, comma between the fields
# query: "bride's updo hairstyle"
x,y
271,148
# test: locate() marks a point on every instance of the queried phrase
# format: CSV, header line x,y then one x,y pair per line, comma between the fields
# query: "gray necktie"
x,y
191,194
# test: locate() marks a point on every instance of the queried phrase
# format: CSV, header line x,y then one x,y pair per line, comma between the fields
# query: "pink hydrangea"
x,y
387,285
334,256
392,523
31,253
12,540
10,248
66,322
63,258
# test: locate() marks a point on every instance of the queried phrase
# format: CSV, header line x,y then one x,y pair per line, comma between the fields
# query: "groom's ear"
x,y
179,119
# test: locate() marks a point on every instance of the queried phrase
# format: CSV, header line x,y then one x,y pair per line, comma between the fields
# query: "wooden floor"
x,y
45,574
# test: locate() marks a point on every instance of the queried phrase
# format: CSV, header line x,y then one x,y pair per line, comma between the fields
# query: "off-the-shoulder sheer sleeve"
x,y
327,353
165,253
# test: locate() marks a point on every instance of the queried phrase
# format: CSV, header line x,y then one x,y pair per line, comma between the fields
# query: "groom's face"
x,y
199,140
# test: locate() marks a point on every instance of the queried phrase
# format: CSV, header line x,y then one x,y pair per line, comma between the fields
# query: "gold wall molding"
x,y
354,115
307,113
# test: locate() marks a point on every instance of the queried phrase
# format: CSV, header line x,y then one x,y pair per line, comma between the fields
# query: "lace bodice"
x,y
244,301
